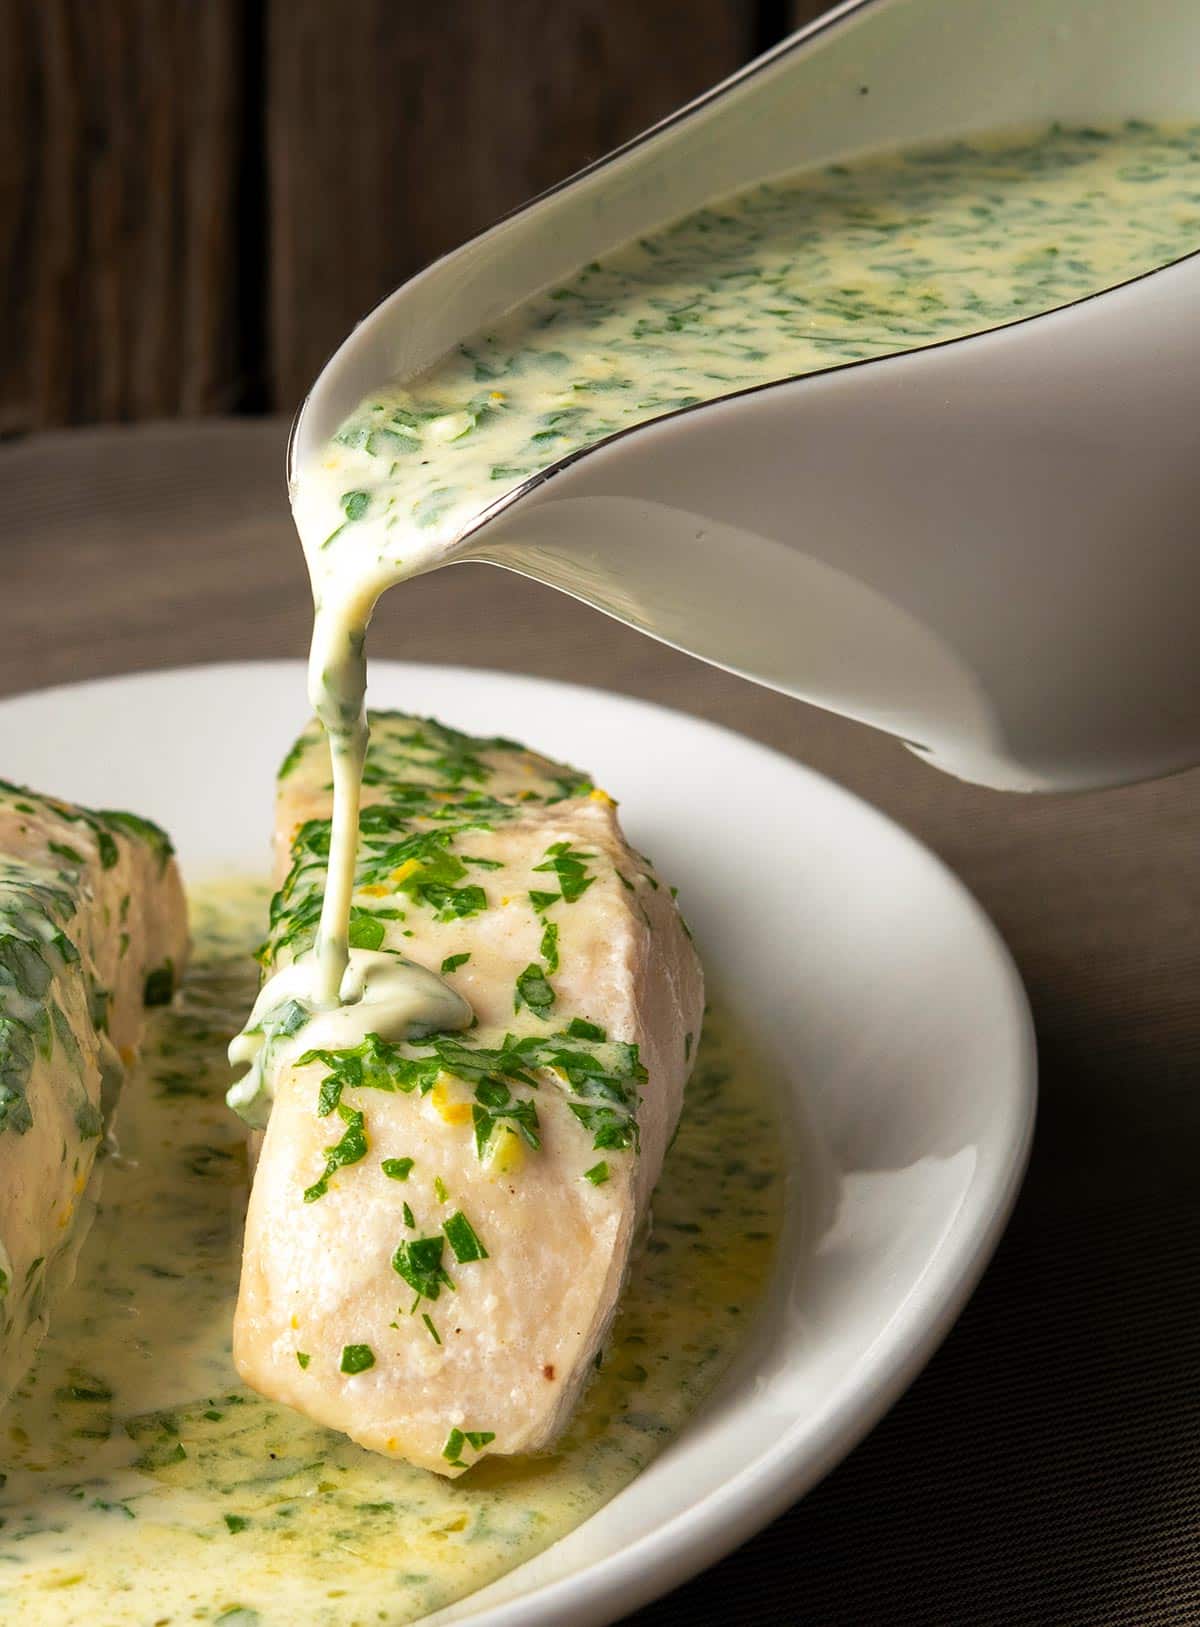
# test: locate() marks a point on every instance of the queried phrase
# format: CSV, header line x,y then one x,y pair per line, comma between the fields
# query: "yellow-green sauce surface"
x,y
834,265
145,1485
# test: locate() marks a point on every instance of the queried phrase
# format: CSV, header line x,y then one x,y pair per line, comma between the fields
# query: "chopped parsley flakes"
x,y
351,1149
419,1262
458,1439
463,1239
602,1077
569,864
534,991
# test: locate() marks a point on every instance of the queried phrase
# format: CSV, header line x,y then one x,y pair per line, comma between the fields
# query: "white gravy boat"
x,y
990,548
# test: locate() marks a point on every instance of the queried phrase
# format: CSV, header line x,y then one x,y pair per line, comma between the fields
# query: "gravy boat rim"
x,y
795,41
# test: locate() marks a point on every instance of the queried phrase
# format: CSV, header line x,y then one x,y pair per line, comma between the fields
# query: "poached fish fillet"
x,y
440,1227
93,927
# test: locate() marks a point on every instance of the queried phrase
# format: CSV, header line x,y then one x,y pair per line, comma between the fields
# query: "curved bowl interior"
x,y
887,1005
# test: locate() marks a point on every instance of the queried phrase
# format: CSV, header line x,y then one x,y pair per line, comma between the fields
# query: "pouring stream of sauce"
x,y
834,265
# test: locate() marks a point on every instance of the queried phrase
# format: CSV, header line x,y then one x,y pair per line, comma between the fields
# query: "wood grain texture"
x,y
120,149
439,121
199,197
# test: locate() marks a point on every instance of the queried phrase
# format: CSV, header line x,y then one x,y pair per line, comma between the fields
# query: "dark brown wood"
x,y
803,11
393,139
120,146
199,197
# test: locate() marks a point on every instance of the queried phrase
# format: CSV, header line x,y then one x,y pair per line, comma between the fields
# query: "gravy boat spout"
x,y
987,547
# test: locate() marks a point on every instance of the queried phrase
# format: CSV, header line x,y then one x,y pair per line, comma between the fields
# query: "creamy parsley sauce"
x,y
146,1485
834,265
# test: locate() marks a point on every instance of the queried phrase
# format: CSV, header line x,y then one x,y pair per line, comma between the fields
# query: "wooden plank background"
x,y
121,137
199,197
